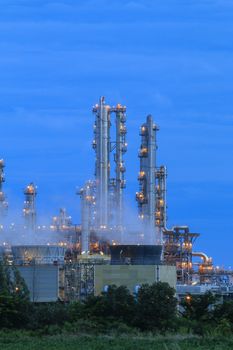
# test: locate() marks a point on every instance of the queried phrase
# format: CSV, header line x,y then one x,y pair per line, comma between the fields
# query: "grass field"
x,y
17,341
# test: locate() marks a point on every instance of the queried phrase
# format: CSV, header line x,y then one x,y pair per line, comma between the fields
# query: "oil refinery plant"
x,y
103,250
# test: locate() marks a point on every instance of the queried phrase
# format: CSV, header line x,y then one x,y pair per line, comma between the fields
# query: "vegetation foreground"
x,y
22,341
116,319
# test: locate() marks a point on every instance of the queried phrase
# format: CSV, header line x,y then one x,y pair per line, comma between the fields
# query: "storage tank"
x,y
38,254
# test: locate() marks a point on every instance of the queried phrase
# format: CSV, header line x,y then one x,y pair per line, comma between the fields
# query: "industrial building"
x,y
88,257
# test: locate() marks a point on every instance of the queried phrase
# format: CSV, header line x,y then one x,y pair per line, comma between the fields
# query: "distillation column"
x,y
3,202
121,148
147,178
87,199
161,202
101,144
29,210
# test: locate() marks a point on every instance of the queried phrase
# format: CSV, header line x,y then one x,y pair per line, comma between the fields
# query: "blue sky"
x,y
170,58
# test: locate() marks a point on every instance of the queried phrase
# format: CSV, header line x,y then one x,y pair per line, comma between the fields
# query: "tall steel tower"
x,y
87,200
121,148
109,183
29,210
102,146
3,202
161,201
147,178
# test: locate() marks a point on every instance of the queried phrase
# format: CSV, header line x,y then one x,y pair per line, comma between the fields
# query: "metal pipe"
x,y
202,255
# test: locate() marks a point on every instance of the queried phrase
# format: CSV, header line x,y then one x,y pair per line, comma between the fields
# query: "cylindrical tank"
x,y
135,254
38,254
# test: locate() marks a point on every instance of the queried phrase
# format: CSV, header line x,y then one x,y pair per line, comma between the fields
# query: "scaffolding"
x,y
178,244
161,201
79,278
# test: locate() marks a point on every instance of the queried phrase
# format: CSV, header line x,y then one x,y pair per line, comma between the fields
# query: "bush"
x,y
156,307
48,314
15,306
115,304
199,307
224,311
224,328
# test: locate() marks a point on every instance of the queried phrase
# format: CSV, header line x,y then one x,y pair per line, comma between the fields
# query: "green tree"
x,y
14,298
198,307
198,310
6,285
117,303
224,311
48,314
156,307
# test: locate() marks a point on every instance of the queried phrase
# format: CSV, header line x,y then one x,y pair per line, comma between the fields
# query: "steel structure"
x,y
65,231
102,146
62,221
87,200
3,201
178,248
29,210
38,254
146,197
205,268
161,200
79,280
121,148
109,185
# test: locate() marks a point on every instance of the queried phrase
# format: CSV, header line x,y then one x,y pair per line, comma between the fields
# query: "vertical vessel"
x,y
101,144
29,210
146,197
3,202
121,148
87,199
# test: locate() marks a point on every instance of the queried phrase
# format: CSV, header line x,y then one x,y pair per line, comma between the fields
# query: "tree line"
x,y
154,308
